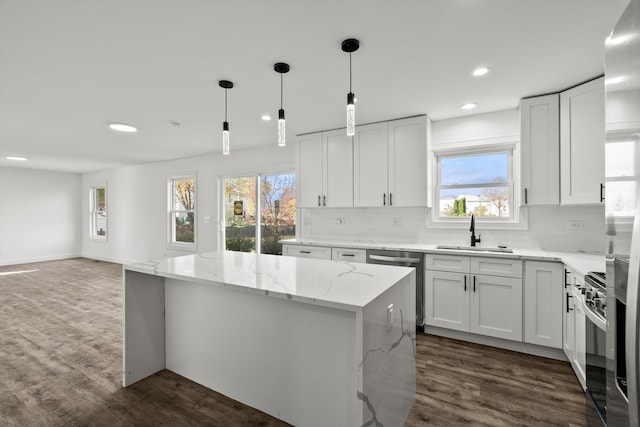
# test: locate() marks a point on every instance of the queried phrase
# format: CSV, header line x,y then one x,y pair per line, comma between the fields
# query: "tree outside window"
x,y
98,212
182,211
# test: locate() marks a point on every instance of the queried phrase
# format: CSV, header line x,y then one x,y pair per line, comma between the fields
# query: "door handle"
x,y
384,199
324,200
465,283
566,273
474,283
601,192
390,199
318,200
568,296
526,198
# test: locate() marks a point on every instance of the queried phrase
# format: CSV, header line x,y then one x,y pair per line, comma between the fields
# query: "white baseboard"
x,y
37,259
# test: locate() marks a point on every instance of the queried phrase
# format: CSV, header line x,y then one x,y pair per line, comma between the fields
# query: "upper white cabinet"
x,y
325,170
540,144
582,144
543,292
390,163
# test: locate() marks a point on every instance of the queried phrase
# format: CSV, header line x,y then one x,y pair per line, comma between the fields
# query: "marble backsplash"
x,y
549,228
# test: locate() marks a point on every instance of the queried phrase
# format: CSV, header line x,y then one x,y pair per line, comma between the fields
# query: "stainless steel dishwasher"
x,y
404,259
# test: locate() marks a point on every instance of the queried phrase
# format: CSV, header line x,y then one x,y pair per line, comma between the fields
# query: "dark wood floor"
x,y
61,365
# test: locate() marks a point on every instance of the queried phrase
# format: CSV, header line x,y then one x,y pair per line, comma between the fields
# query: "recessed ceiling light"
x,y
480,71
266,117
16,158
469,106
123,127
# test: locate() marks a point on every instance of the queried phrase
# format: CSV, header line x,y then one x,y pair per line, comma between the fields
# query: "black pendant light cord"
x,y
350,72
281,91
225,105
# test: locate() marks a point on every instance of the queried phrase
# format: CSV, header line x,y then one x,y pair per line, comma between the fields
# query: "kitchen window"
x,y
476,181
182,209
98,212
259,211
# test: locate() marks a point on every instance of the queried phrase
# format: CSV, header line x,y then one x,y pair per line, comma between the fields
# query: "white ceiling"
x,y
69,67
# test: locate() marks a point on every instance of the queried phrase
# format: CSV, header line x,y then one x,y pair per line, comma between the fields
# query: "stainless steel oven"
x,y
595,309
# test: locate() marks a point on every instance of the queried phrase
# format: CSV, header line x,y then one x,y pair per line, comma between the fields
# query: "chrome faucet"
x,y
474,239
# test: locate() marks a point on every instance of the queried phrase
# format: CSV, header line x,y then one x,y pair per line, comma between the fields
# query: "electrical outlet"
x,y
575,225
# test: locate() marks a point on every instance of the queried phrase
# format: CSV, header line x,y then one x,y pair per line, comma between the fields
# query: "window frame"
x,y
94,212
517,219
172,211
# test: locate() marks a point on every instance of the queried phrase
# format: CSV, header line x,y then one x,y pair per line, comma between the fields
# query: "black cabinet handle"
x,y
526,196
568,296
566,273
390,199
347,255
474,283
384,199
324,200
601,192
465,283
305,252
318,200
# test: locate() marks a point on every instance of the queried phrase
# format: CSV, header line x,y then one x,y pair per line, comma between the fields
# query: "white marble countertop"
x,y
347,286
581,262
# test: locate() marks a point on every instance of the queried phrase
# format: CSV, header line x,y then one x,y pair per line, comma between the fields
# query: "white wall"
x,y
547,226
39,215
137,202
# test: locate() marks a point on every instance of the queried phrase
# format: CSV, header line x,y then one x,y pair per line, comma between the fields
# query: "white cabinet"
x,y
540,150
301,251
325,252
460,295
574,337
390,163
349,255
582,144
543,289
325,170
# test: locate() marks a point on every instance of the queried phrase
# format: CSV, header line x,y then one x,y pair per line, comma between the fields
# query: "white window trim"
x,y
183,246
92,196
519,215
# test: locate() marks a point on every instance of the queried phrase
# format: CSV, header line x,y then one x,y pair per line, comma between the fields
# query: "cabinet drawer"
x,y
496,267
349,255
319,252
454,263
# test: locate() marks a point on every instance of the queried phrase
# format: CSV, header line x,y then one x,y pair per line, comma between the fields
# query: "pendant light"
x,y
350,46
281,68
225,84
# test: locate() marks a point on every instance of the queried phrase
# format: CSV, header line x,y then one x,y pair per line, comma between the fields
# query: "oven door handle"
x,y
598,321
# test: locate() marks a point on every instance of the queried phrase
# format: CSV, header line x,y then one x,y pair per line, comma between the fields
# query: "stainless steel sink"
x,y
474,248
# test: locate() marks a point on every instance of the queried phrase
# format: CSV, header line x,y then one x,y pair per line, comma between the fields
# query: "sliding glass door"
x,y
259,211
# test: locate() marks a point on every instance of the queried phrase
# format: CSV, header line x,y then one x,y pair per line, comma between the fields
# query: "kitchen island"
x,y
311,342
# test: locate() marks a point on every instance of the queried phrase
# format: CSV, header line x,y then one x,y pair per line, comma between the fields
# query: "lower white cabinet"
x,y
324,252
473,302
543,290
349,255
574,337
317,252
